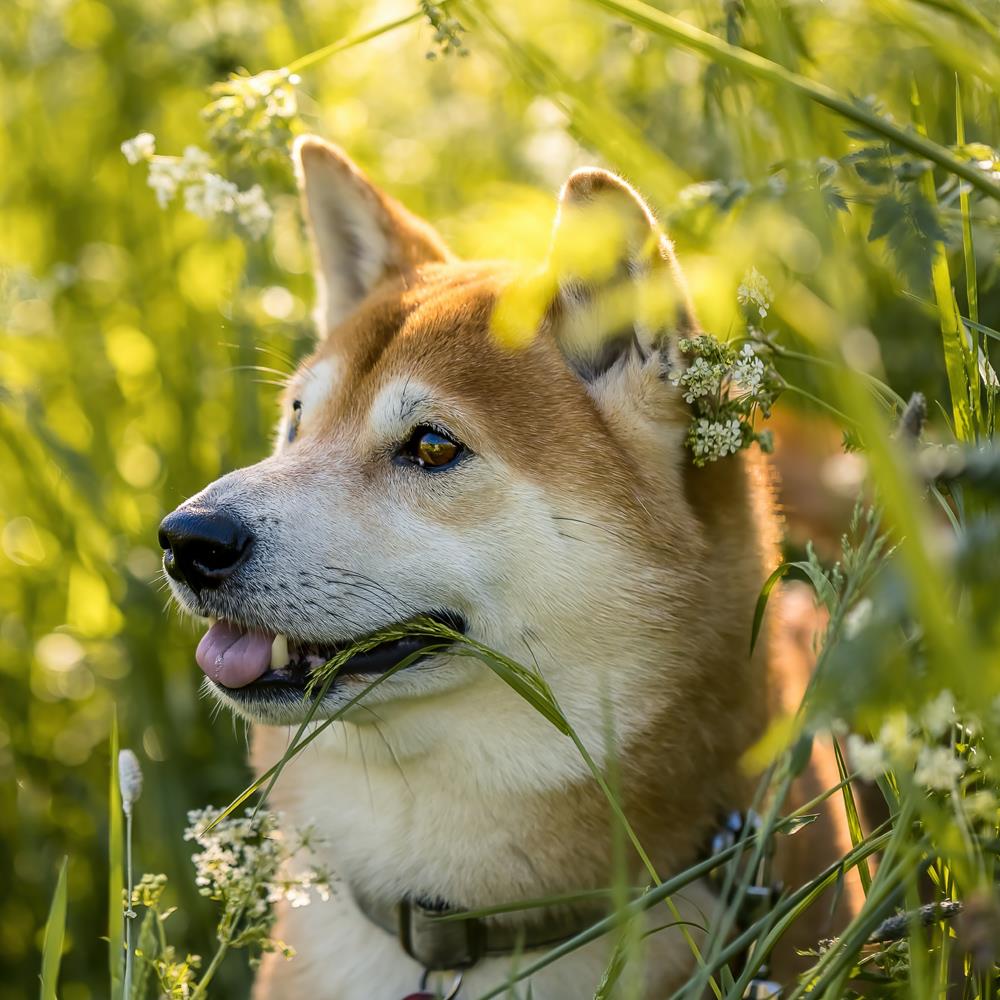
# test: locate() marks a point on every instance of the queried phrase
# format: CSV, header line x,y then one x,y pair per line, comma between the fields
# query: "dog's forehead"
x,y
434,329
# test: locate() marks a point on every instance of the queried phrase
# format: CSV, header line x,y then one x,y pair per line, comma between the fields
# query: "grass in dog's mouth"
x,y
306,667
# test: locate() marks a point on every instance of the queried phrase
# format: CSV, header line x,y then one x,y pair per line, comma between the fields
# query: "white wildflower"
x,y
140,147
712,439
212,195
939,714
858,617
755,291
748,371
129,779
898,741
241,860
165,176
194,162
253,211
700,379
868,759
282,101
981,805
938,768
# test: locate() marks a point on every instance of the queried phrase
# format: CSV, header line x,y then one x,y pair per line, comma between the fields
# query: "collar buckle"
x,y
437,944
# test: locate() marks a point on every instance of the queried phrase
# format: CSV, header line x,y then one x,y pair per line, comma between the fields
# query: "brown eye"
x,y
293,424
431,449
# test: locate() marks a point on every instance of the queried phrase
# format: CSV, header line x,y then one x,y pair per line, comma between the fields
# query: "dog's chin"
x,y
276,708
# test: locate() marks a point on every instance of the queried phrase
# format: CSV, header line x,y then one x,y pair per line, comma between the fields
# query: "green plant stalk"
x,y
886,390
968,249
887,882
789,908
959,356
311,58
55,934
734,57
129,912
116,946
878,905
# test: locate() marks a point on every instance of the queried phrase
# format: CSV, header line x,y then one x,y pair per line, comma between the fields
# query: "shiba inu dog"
x,y
537,497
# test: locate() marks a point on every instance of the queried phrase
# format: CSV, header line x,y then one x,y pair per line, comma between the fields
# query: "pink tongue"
x,y
232,657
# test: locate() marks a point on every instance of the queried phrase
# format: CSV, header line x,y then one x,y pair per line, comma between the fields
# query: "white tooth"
x,y
279,652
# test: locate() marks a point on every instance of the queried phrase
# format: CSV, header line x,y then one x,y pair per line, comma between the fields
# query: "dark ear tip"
x,y
586,183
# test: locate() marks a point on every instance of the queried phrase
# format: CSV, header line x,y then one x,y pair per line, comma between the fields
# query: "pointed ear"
x,y
619,289
360,235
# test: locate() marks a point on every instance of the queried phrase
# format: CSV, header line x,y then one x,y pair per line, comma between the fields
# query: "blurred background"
x,y
131,335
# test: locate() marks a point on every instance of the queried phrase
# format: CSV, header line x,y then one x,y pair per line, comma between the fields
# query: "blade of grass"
x,y
762,598
851,812
55,934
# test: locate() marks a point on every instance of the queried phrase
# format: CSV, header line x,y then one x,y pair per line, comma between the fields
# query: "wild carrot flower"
x,y
713,439
207,193
140,147
210,195
755,292
700,379
253,212
938,768
939,714
868,759
748,372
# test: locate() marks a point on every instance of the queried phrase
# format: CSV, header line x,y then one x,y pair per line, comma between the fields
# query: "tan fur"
x,y
596,547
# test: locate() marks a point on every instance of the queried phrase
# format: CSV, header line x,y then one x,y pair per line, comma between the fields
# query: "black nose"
x,y
203,545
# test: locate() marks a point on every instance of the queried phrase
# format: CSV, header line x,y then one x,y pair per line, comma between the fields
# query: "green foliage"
x,y
133,340
55,935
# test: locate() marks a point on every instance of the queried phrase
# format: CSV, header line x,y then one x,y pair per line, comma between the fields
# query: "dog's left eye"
x,y
431,449
293,424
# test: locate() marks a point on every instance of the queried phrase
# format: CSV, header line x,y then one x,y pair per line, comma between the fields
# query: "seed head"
x,y
129,779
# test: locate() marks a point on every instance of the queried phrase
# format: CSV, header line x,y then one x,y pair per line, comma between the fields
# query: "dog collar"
x,y
441,938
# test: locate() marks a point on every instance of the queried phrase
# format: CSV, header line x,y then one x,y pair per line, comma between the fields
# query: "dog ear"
x,y
360,235
618,287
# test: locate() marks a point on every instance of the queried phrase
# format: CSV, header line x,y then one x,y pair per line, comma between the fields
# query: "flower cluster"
x,y
726,388
936,747
244,864
241,863
712,439
206,193
754,293
253,117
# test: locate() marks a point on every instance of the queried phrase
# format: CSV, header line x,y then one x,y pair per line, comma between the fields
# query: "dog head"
x,y
499,451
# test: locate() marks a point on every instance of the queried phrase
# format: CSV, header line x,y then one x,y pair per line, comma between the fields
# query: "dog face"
x,y
531,496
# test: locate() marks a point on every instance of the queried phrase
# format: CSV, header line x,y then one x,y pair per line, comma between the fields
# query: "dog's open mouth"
x,y
245,661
